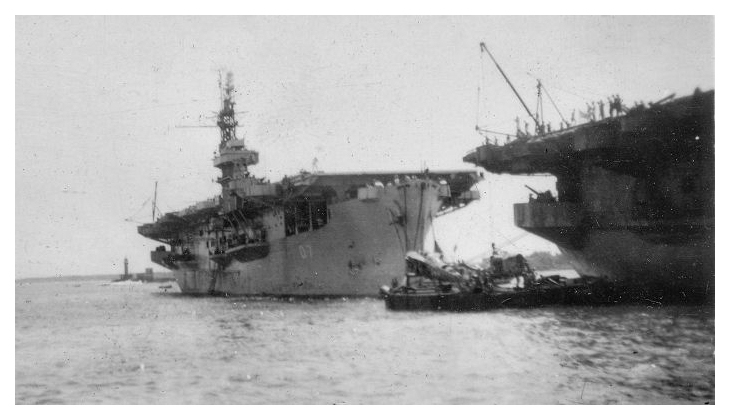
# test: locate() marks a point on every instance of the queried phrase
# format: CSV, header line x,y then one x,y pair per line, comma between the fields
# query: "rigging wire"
x,y
554,105
507,240
478,106
131,218
584,92
515,238
539,112
480,85
491,206
493,132
572,93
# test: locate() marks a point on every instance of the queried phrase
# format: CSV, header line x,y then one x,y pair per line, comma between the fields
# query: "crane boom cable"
x,y
493,132
478,105
539,114
554,105
131,218
479,89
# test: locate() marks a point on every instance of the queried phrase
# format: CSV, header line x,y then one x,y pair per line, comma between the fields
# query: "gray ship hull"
x,y
643,259
361,248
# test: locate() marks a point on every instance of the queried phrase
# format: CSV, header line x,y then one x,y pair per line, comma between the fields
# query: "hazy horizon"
x,y
99,100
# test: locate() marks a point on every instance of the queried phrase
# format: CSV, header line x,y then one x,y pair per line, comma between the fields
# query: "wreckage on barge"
x,y
431,285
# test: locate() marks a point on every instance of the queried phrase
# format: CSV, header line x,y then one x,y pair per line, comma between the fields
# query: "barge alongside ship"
x,y
431,285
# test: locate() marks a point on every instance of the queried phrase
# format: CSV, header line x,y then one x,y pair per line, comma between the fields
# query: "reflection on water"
x,y
94,342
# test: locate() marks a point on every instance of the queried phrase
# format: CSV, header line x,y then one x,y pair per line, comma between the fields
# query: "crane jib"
x,y
484,48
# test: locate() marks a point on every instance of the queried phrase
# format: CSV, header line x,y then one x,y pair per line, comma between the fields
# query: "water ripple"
x,y
78,343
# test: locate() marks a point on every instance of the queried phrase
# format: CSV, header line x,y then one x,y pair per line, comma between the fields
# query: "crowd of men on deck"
x,y
594,111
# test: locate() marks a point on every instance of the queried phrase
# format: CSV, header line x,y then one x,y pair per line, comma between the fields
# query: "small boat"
x,y
507,283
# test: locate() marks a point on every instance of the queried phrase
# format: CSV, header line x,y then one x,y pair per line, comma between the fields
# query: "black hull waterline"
x,y
603,293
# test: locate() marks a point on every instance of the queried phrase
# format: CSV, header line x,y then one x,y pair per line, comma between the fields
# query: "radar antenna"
x,y
227,115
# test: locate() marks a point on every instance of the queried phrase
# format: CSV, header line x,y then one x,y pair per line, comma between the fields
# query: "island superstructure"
x,y
315,234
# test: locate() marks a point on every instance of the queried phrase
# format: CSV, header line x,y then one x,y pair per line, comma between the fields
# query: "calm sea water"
x,y
92,342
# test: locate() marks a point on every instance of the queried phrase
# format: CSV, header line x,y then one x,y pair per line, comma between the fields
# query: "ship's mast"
x,y
154,203
540,110
227,115
233,158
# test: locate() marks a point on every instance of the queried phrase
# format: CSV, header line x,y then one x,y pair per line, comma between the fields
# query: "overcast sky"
x,y
98,102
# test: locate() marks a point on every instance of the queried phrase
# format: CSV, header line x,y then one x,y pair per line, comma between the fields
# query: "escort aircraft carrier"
x,y
312,234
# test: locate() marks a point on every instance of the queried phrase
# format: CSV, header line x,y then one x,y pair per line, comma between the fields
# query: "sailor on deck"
x,y
592,111
615,104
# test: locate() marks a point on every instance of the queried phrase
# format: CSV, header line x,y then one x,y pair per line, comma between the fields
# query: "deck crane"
x,y
485,49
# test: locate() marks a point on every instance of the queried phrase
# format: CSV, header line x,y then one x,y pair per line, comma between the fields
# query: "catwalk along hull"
x,y
361,247
635,196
